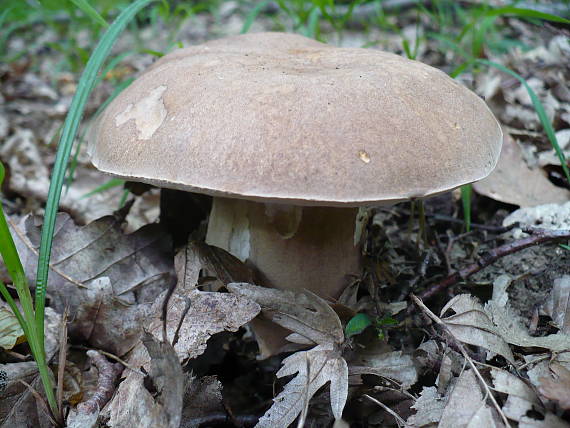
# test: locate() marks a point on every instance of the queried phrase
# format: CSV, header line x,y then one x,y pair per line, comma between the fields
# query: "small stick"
x,y
537,236
398,418
463,351
108,374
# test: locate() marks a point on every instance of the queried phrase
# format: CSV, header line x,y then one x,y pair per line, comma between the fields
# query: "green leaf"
x,y
526,13
113,182
466,192
252,15
357,325
90,12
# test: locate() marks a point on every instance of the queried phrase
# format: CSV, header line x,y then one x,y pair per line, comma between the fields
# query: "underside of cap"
x,y
282,118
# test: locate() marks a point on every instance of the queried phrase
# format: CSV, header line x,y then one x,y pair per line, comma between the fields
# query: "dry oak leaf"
x,y
429,408
107,279
312,320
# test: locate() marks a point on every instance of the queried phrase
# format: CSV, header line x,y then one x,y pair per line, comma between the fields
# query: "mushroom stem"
x,y
291,247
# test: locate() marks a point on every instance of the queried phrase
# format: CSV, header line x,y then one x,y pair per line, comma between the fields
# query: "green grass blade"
x,y
252,15
113,182
539,108
466,192
526,13
88,10
72,120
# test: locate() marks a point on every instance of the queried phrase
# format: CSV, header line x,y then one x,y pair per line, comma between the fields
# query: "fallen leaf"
x,y
515,183
466,405
471,324
549,216
202,397
311,318
154,400
510,329
429,408
313,369
521,397
557,386
10,331
107,279
557,305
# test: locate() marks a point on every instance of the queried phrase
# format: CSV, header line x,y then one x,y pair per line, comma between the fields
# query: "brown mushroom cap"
x,y
279,117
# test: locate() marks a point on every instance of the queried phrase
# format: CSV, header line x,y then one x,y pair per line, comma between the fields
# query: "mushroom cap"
x,y
278,117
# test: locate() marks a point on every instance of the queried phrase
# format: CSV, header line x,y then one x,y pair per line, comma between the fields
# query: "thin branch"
x,y
463,351
108,374
387,409
537,237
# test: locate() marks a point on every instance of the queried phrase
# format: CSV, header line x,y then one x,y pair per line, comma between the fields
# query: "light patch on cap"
x,y
148,113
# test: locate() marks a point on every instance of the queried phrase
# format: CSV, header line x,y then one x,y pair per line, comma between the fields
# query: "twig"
x,y
461,348
108,374
42,402
538,236
387,409
113,357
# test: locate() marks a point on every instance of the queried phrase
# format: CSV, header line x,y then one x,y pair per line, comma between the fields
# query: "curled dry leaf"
x,y
106,278
548,216
471,324
515,183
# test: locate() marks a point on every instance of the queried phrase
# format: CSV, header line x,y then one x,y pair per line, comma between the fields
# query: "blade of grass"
x,y
252,15
90,12
539,108
15,269
113,182
72,120
466,192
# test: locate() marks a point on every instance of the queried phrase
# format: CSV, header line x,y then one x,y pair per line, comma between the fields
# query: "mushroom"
x,y
290,136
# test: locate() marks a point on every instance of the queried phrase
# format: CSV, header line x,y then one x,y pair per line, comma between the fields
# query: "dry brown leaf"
x,y
151,401
107,279
557,386
515,183
550,421
305,313
557,306
324,365
467,407
429,408
549,216
311,318
377,360
202,397
10,331
521,397
509,327
471,324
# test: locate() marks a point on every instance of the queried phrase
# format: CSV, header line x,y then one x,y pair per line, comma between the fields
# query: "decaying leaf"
x,y
521,397
557,386
107,279
377,360
314,369
466,405
193,316
202,397
509,327
309,317
429,408
557,305
549,216
515,183
154,401
471,324
10,330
